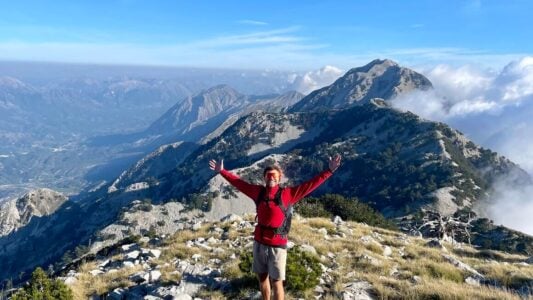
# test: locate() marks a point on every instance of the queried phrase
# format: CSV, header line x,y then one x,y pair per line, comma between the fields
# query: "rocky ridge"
x,y
19,212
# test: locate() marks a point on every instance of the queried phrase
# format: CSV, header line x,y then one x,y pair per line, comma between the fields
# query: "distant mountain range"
x,y
394,161
75,131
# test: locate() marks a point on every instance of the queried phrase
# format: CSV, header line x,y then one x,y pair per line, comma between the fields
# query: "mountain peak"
x,y
220,88
381,62
381,78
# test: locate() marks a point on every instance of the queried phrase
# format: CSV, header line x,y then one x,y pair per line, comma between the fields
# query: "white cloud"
x,y
495,110
253,22
314,80
512,207
285,48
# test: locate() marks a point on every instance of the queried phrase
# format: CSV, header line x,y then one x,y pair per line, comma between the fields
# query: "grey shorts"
x,y
270,260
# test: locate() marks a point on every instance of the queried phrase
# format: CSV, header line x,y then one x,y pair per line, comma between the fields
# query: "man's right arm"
x,y
246,188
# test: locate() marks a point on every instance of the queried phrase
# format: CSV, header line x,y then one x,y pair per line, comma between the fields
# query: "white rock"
x,y
337,220
366,239
197,226
323,231
104,263
203,246
212,240
155,253
116,294
133,254
416,279
371,260
360,290
128,264
472,281
377,236
308,249
96,272
196,257
231,218
70,280
218,250
387,251
155,275
140,277
128,247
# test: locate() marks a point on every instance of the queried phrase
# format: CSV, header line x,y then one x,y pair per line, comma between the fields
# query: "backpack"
x,y
285,226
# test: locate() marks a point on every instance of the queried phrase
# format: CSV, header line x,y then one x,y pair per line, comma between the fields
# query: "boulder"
x,y
232,218
96,272
116,294
323,231
472,281
308,248
129,247
155,275
132,255
360,290
387,251
337,220
140,277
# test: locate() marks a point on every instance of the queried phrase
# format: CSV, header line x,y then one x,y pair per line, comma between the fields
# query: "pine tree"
x,y
41,287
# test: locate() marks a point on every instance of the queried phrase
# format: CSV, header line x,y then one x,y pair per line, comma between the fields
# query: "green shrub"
x,y
303,269
41,287
347,208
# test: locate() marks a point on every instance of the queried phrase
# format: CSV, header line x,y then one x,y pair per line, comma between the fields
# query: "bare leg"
x,y
279,293
264,285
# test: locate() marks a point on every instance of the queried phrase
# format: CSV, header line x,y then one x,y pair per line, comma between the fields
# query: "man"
x,y
273,206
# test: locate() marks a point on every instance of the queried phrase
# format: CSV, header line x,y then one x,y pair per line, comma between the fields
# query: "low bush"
x,y
41,287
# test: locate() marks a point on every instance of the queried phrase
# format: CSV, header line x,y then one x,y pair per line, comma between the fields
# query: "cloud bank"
x,y
495,110
314,80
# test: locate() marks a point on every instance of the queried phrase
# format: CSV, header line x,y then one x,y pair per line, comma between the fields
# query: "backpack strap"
x,y
286,210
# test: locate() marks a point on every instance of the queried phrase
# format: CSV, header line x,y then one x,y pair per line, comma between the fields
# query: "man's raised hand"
x,y
216,166
334,162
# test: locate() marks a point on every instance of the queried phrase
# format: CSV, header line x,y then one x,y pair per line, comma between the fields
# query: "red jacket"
x,y
271,212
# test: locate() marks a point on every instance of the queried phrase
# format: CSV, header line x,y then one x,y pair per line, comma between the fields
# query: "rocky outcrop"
x,y
19,212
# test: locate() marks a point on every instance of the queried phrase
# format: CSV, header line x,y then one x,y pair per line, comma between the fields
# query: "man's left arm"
x,y
302,190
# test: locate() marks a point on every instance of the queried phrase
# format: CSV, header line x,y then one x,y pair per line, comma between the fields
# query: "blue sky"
x,y
267,34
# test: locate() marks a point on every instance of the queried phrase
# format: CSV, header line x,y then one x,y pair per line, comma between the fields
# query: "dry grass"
x,y
88,285
439,279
